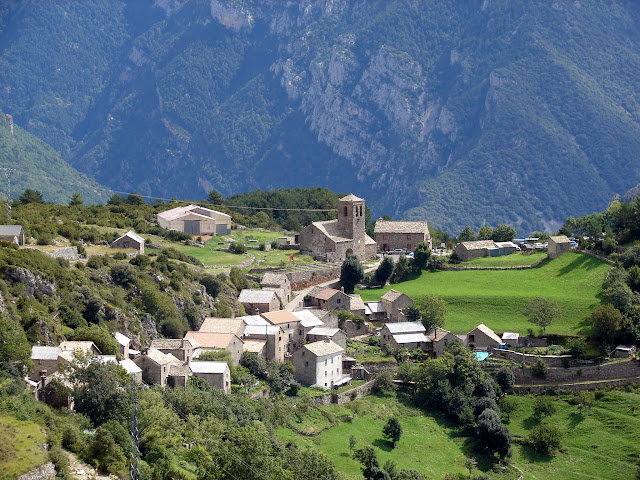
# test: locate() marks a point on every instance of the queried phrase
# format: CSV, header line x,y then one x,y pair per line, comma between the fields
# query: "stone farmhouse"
x,y
466,251
216,374
155,366
288,322
439,338
218,341
12,234
482,338
336,335
275,344
390,235
409,335
334,240
195,220
181,348
318,364
557,245
130,240
394,303
259,301
279,283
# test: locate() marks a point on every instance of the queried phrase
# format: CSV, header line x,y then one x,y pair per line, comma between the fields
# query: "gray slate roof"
x,y
10,230
208,367
479,244
323,348
44,353
384,226
405,327
256,296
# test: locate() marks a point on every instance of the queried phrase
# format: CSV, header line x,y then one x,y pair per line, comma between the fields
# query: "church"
x,y
334,240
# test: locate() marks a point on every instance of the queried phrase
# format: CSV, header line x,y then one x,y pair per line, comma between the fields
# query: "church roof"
x,y
351,198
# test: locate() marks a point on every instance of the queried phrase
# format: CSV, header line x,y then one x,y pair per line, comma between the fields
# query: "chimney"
x,y
342,289
327,340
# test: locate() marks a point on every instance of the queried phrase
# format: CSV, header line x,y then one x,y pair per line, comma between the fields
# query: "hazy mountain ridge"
x,y
516,112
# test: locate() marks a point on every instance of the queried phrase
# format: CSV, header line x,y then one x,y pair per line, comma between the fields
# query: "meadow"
x,y
513,260
498,297
20,447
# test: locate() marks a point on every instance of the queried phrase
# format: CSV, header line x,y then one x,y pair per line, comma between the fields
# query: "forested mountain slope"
x,y
463,113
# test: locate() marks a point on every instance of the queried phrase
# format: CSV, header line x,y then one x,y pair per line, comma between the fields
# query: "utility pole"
x,y
134,472
7,175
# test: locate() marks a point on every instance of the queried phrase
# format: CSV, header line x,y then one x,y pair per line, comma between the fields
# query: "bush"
x,y
124,274
544,438
543,407
539,369
213,285
505,379
238,248
383,382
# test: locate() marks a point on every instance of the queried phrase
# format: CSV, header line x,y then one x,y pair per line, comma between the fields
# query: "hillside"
x,y
40,167
466,113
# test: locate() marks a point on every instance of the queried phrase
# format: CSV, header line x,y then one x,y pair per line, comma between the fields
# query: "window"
x,y
325,374
408,237
325,363
356,210
408,246
360,210
306,364
299,332
346,214
384,237
337,370
332,361
339,300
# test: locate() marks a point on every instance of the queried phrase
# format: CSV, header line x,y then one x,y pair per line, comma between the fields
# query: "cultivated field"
x,y
498,298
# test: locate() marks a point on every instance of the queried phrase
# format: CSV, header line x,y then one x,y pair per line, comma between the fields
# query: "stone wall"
x,y
461,267
529,359
301,279
575,387
43,472
344,397
599,257
352,330
612,371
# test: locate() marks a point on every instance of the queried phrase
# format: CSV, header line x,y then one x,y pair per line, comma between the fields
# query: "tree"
x,y
485,233
100,336
107,453
412,313
352,443
370,466
135,199
383,382
503,233
254,363
586,400
401,270
30,196
505,379
492,433
421,256
433,310
76,200
392,431
215,198
351,273
384,270
545,438
470,464
508,405
212,284
542,312
467,234
540,368
543,407
576,347
606,321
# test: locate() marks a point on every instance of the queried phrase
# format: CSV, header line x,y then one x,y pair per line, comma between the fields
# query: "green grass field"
x,y
429,443
513,260
598,444
498,298
20,447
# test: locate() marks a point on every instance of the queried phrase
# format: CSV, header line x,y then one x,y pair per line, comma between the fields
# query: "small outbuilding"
x,y
12,234
130,240
466,251
557,245
259,301
511,339
195,220
625,351
216,374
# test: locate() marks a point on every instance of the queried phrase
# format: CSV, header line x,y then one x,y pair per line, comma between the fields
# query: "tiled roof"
x,y
44,353
405,327
392,295
331,229
222,325
208,367
559,239
255,346
83,346
410,338
351,198
167,343
385,226
256,296
356,302
211,340
327,293
437,333
178,212
158,357
279,317
323,347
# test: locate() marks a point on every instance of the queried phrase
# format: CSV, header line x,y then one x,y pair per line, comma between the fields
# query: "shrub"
x,y
238,248
544,438
543,407
124,274
539,369
383,382
505,379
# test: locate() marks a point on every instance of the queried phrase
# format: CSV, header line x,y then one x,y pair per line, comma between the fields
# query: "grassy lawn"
x,y
498,298
20,447
513,260
429,443
598,444
279,258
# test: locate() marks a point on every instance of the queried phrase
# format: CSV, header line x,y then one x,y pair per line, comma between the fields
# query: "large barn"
x,y
195,220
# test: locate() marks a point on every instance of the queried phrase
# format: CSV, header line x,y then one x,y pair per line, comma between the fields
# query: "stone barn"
x,y
195,220
391,235
558,245
12,234
130,240
466,251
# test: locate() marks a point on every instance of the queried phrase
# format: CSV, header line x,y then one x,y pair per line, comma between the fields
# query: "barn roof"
x,y
386,226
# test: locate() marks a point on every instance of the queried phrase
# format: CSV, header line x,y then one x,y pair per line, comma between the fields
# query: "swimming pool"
x,y
480,356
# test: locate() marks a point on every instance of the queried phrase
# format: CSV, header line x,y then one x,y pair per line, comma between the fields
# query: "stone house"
x,y
482,338
257,346
336,335
218,341
45,361
275,341
390,235
223,325
130,240
134,371
259,301
394,303
408,335
181,348
155,366
195,220
557,245
288,322
331,299
466,251
374,311
277,282
439,339
12,234
124,343
307,321
216,374
318,364
334,240
356,305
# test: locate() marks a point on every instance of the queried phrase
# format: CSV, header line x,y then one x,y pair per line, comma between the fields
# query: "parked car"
x,y
410,255
398,251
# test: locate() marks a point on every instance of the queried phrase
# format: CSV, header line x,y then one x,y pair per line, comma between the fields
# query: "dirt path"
x,y
82,471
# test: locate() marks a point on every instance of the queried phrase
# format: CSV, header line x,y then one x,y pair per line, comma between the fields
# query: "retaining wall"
x,y
302,279
611,371
460,267
529,359
344,397
575,387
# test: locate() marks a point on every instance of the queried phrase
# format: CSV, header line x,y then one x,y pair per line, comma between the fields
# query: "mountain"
x,y
483,111
40,167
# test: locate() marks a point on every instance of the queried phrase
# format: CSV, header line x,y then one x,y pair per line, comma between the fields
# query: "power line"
x,y
7,175
231,206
